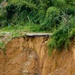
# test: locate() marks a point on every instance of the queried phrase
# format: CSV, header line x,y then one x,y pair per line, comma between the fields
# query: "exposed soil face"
x,y
2,62
29,56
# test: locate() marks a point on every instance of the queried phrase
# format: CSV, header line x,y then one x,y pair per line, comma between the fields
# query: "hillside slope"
x,y
29,56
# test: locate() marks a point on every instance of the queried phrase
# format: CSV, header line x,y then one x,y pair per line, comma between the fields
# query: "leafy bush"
x,y
51,20
70,10
52,12
62,37
10,11
59,3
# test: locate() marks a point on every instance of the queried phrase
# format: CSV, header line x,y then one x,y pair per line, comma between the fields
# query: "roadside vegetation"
x,y
52,16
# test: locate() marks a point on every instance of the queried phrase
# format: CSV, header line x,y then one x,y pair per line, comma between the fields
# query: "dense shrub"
x,y
70,10
52,12
62,37
59,3
10,11
52,19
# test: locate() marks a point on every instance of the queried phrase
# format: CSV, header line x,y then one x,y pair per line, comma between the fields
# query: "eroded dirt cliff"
x,y
29,56
2,62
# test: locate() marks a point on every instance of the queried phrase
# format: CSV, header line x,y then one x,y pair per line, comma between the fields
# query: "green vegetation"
x,y
62,37
54,16
2,45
